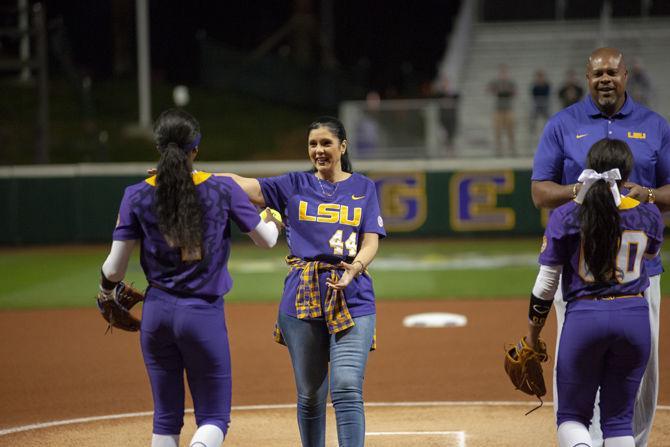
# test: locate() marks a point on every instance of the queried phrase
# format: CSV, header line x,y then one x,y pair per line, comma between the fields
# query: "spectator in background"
x,y
368,129
571,91
448,111
639,84
504,90
540,90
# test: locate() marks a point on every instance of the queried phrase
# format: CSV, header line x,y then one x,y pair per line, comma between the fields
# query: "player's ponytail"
x,y
178,206
599,215
337,128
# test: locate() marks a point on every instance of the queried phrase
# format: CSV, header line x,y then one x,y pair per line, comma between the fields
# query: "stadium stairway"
x,y
554,46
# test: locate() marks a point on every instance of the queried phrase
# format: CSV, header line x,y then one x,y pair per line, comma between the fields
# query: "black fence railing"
x,y
498,10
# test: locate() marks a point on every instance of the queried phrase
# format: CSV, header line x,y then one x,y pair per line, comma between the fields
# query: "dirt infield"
x,y
58,365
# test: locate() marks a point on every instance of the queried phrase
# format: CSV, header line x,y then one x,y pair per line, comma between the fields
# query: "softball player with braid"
x,y
327,310
181,219
598,243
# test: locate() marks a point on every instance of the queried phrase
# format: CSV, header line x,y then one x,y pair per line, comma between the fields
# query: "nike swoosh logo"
x,y
581,135
540,310
355,197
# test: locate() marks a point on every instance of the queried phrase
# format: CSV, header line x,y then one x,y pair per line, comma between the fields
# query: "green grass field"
x,y
56,277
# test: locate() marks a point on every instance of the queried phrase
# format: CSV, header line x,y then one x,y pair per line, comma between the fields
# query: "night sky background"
x,y
278,62
394,40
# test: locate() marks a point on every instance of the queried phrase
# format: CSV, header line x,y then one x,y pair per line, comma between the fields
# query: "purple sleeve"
x,y
549,157
372,217
655,234
553,251
242,211
127,224
277,190
663,158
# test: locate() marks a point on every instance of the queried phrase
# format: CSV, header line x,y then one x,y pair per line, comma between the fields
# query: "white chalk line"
x,y
459,436
49,424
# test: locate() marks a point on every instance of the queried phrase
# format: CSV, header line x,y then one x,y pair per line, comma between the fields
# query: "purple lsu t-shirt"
x,y
570,133
642,233
222,199
324,221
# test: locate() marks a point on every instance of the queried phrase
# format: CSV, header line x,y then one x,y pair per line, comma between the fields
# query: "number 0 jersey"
x,y
324,221
642,233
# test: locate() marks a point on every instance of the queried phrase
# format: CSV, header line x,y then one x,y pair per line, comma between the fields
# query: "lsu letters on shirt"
x,y
324,221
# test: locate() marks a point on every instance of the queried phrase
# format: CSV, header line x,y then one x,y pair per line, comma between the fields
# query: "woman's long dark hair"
x,y
337,128
599,215
177,203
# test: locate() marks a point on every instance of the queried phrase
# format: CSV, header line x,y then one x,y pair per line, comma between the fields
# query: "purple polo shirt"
x,y
222,201
570,133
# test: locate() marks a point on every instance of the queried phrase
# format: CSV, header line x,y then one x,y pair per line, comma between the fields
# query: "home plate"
x,y
435,319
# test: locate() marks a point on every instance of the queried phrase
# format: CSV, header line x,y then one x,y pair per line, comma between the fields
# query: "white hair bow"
x,y
588,177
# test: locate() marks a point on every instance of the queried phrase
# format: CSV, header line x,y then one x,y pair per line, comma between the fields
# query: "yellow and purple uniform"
x,y
183,322
606,338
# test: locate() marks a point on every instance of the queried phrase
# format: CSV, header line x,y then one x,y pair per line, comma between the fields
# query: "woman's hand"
x,y
350,272
637,192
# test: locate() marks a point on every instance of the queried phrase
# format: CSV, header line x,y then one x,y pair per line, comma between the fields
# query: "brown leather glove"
x,y
115,307
523,365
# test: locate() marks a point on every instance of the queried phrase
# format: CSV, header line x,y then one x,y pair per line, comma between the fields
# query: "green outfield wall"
x,y
79,204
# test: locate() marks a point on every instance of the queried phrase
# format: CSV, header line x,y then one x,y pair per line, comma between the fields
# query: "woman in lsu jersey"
x,y
598,242
327,311
181,219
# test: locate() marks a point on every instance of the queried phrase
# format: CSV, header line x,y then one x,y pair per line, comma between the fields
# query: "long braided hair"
x,y
599,215
178,207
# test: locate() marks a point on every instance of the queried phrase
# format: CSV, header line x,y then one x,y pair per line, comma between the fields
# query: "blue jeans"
x,y
311,348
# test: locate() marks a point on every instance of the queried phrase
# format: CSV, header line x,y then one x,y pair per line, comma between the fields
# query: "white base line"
x,y
459,435
41,425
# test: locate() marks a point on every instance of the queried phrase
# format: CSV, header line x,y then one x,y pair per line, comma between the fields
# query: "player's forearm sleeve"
x,y
265,234
547,281
114,267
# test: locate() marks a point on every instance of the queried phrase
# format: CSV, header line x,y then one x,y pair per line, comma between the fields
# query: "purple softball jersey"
x,y
222,200
642,227
324,222
604,343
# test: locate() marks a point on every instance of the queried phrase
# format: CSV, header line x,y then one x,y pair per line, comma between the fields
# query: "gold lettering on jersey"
x,y
637,135
344,216
330,213
302,213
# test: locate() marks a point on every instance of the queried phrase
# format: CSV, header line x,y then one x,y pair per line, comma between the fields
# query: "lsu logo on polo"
x,y
637,135
329,213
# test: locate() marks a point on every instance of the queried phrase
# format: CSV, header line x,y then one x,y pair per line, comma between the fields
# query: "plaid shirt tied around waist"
x,y
308,298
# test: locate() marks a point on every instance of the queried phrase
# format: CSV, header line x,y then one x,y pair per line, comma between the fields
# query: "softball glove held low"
x,y
523,365
115,307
